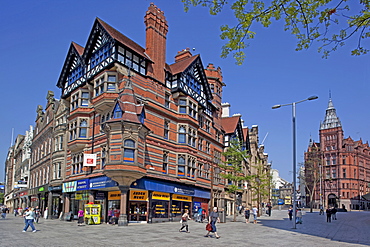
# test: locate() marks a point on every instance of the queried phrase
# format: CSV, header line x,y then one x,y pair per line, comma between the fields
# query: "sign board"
x,y
138,195
89,160
160,196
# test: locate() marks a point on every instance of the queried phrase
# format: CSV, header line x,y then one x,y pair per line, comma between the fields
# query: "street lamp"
x,y
294,152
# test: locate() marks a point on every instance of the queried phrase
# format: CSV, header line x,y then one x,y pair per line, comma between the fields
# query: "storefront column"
x,y
50,205
91,197
122,221
67,203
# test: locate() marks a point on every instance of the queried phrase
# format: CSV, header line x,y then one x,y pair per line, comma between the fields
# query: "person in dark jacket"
x,y
334,213
328,214
247,214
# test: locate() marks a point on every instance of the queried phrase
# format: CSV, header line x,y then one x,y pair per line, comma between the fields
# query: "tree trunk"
x,y
235,211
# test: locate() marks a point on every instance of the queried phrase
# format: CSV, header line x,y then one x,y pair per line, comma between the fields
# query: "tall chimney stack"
x,y
156,32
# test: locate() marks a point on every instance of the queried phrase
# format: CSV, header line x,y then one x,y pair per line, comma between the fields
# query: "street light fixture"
x,y
294,151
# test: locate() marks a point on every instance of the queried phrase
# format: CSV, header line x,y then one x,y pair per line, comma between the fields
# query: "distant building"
x,y
342,166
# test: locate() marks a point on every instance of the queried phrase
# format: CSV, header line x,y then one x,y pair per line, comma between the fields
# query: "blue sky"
x,y
36,36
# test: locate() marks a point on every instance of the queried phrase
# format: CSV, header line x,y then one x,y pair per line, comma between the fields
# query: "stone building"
x,y
341,165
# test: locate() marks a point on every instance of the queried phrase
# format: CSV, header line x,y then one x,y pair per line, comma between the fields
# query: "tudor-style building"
x,y
154,127
340,166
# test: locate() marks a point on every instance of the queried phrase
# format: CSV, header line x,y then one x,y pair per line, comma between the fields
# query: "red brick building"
x,y
342,166
152,129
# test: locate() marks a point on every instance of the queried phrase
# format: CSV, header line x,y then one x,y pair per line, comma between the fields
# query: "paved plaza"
x,y
351,229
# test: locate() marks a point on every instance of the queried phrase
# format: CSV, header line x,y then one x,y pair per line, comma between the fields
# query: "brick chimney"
x,y
156,32
181,55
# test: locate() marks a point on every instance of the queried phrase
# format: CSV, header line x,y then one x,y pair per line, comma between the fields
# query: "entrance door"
x,y
138,211
332,200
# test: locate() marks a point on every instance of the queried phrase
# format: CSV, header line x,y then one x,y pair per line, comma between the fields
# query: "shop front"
x,y
78,194
138,206
56,201
100,189
168,201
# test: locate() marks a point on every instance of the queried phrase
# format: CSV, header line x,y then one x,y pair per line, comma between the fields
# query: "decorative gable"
x,y
73,72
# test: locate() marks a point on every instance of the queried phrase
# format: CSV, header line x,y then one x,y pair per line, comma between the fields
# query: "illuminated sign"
x,y
160,196
138,195
114,195
181,198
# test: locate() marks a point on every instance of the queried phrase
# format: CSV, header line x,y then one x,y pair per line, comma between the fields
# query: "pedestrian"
x,y
200,215
290,212
321,210
46,213
328,214
29,215
269,209
37,214
247,214
80,216
334,213
184,221
3,212
15,212
298,216
116,213
255,213
213,218
110,215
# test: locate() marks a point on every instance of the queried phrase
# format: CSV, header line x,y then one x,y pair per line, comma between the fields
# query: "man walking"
x,y
29,216
328,214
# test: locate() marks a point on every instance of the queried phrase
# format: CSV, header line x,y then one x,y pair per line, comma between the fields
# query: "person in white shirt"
x,y
255,212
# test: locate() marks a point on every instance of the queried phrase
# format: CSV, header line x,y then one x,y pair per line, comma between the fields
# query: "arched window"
x,y
181,166
182,134
129,151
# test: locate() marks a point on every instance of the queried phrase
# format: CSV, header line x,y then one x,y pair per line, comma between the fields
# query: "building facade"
x,y
337,167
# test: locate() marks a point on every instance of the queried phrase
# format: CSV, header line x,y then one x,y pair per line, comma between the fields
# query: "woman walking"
x,y
29,217
80,215
255,213
247,214
213,218
184,221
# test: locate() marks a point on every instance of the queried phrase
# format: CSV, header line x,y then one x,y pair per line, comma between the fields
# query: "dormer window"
x,y
117,112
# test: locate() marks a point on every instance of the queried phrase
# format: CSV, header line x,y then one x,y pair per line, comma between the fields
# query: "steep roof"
x,y
80,50
229,124
118,36
182,65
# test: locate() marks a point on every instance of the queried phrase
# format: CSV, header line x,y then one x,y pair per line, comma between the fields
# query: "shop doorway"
x,y
138,212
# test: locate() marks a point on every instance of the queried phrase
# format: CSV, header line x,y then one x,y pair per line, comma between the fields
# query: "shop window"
x,y
129,151
159,209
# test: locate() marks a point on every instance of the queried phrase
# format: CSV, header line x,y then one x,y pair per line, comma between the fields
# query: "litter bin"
x,y
222,216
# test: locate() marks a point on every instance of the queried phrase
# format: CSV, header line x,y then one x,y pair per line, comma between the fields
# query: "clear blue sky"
x,y
35,37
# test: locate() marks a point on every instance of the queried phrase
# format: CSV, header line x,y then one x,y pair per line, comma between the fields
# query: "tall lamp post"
x,y
294,152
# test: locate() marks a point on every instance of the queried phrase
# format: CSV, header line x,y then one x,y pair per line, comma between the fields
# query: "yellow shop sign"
x,y
138,195
181,198
160,196
114,195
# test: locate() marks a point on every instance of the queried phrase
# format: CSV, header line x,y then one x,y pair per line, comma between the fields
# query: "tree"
x,y
260,183
329,22
1,198
233,168
313,174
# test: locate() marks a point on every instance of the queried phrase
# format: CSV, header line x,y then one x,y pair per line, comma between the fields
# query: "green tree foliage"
x,y
233,168
1,198
260,184
313,174
329,22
